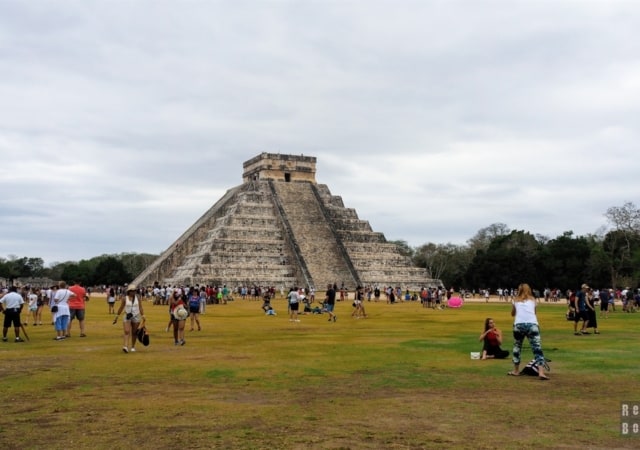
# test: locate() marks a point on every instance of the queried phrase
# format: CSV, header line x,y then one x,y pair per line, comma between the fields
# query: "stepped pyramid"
x,y
280,228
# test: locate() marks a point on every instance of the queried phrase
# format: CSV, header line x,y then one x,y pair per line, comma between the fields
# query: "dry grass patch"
x,y
401,379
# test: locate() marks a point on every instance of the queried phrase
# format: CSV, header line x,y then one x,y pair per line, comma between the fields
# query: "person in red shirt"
x,y
77,307
492,339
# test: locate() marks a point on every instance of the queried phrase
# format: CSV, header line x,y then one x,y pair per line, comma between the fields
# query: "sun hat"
x,y
181,313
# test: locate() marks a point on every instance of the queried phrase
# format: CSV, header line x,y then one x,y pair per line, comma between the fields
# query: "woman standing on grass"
x,y
525,324
194,308
60,310
42,301
134,314
294,303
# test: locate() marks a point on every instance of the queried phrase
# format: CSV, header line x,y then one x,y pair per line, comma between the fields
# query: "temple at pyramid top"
x,y
277,167
280,228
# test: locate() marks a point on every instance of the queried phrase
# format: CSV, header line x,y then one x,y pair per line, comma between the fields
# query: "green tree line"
x,y
105,269
499,257
494,257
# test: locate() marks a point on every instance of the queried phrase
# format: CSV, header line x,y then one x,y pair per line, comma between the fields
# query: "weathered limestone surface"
x,y
279,228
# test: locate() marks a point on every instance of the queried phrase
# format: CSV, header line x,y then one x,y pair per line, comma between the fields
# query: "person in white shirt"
x,y
33,306
11,306
525,324
61,310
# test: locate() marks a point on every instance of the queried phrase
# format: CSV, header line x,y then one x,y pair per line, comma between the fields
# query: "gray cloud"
x,y
123,122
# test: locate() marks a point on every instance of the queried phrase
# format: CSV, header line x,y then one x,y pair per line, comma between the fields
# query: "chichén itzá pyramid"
x,y
280,228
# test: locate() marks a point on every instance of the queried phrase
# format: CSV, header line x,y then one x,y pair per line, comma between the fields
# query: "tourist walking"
x,y
133,316
525,325
177,308
330,302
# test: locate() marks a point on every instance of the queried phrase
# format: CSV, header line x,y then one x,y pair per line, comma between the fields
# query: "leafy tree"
x,y
404,248
565,262
485,236
15,267
599,265
622,244
446,262
111,270
508,261
81,271
623,250
135,263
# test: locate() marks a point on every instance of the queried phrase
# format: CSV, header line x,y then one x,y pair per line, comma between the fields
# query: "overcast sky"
x,y
122,122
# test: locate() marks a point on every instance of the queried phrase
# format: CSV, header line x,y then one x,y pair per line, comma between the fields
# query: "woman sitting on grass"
x,y
492,338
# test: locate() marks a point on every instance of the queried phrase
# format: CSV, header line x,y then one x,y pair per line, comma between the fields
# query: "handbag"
x,y
54,308
571,314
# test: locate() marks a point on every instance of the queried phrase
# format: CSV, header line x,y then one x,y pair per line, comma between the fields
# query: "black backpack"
x,y
532,369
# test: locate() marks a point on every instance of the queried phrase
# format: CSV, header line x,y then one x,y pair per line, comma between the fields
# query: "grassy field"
x,y
400,379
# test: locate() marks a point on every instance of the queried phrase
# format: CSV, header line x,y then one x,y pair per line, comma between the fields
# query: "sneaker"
x,y
176,343
83,335
125,349
19,339
335,318
133,350
4,339
182,342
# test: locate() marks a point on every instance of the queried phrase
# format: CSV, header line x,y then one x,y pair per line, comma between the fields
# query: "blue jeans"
x,y
532,332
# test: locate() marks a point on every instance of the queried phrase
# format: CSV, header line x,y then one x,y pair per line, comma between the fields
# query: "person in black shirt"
x,y
330,302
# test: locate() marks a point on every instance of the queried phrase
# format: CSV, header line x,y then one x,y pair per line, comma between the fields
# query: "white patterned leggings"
x,y
532,332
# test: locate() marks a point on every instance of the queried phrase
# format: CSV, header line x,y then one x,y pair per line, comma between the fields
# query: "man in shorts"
x,y
77,307
582,309
330,302
11,306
